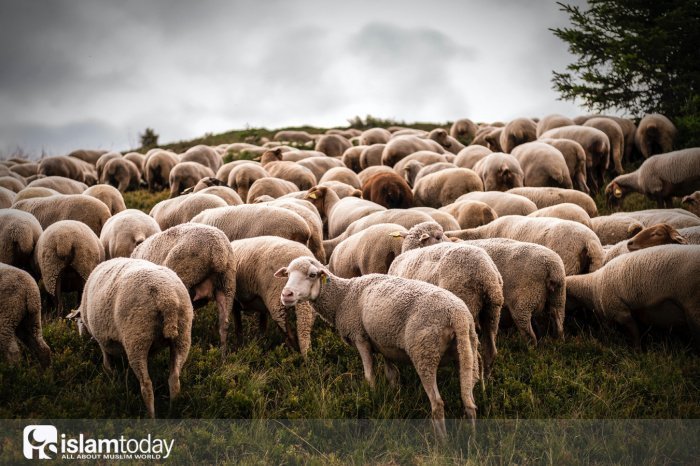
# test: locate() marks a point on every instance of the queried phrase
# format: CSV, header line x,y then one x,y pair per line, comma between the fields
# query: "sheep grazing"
x,y
122,174
388,190
87,155
371,156
25,169
691,202
59,184
332,145
49,210
182,209
661,178
369,172
20,317
546,197
67,252
612,229
203,155
575,158
374,136
552,121
448,142
136,307
202,258
228,195
469,156
68,167
578,247
301,176
343,175
256,261
157,168
655,235
371,250
655,135
109,195
320,165
351,158
297,137
471,214
464,130
628,290
242,177
565,211
339,213
469,273
400,318
269,186
415,170
542,165
616,138
425,157
186,175
126,230
444,219
516,132
502,203
401,146
19,233
444,187
499,172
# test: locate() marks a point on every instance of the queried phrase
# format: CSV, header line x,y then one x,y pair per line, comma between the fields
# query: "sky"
x,y
95,74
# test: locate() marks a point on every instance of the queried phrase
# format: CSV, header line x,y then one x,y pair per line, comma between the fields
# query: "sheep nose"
x,y
287,293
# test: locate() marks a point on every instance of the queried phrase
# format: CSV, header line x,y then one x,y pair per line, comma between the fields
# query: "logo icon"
x,y
40,442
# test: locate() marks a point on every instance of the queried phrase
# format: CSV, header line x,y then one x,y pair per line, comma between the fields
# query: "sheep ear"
x,y
282,273
74,314
678,238
424,237
357,193
257,159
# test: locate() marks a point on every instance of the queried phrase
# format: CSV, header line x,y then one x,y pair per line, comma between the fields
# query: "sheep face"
x,y
654,236
615,194
305,276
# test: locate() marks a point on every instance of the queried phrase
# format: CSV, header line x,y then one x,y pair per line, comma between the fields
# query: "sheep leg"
x,y
8,345
626,320
178,355
365,350
262,322
29,333
523,321
427,371
107,362
223,323
57,295
237,324
137,356
391,372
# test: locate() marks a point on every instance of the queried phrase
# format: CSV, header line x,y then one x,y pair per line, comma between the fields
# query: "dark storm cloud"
x,y
80,74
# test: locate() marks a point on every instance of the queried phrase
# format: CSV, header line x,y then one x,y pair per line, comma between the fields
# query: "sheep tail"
x,y
584,260
170,312
467,342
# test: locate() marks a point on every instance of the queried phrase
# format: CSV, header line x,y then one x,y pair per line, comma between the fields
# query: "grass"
x,y
593,374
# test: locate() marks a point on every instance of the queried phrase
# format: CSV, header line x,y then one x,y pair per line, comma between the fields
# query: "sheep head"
x,y
305,276
615,194
654,236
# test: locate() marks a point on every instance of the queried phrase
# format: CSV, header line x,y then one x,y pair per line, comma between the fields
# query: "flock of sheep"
x,y
408,242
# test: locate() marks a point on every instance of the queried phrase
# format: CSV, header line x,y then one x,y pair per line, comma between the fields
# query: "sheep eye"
x,y
312,275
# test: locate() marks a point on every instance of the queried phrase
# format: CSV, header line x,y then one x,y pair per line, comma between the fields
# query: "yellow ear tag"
x,y
312,196
325,280
618,192
395,234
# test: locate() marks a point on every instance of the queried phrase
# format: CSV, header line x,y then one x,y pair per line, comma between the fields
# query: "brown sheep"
x,y
388,190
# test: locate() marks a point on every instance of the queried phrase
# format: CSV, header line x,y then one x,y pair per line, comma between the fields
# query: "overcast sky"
x,y
94,74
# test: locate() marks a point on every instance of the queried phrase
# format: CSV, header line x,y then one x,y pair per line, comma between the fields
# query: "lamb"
x,y
596,145
388,190
59,184
7,197
449,143
655,135
464,130
157,168
691,202
469,273
499,172
269,186
578,247
371,155
242,177
19,233
546,197
339,213
171,212
351,158
677,218
126,230
612,229
552,121
256,261
616,138
516,132
67,252
502,203
49,210
202,258
628,290
342,174
136,307
470,214
203,155
575,158
371,250
186,175
374,136
109,195
655,235
301,176
20,318
444,187
542,165
469,156
251,220
401,146
399,318
660,177
565,211
122,174
332,145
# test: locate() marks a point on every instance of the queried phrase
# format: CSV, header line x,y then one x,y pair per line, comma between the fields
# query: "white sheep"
x,y
126,230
